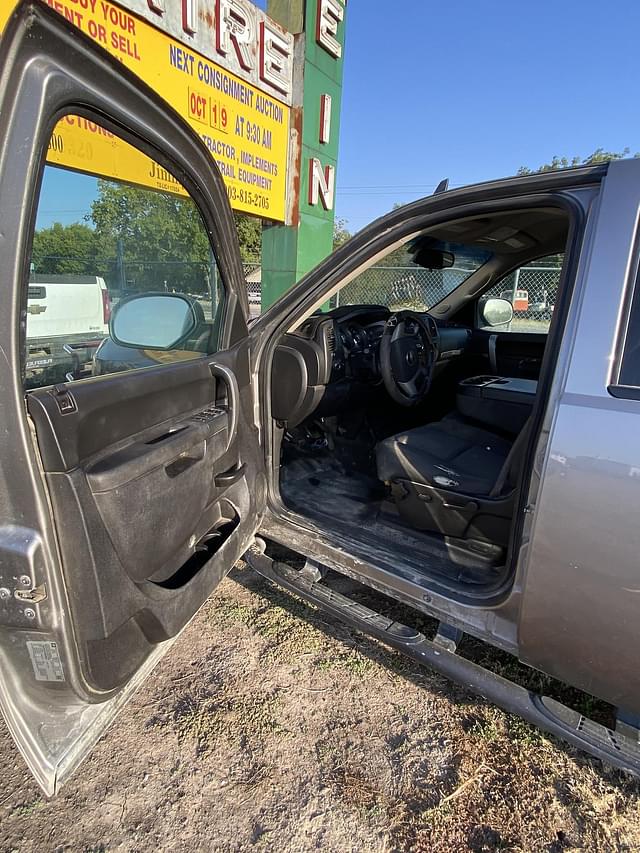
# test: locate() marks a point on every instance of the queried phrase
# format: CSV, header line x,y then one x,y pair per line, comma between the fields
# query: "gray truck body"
x,y
83,619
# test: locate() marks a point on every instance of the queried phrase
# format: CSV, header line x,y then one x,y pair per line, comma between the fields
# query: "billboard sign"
x,y
233,33
222,64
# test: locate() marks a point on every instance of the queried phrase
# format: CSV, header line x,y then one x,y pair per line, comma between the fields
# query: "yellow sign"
x,y
246,131
78,143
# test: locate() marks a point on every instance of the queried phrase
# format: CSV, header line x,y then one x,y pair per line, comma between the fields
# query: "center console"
x,y
497,401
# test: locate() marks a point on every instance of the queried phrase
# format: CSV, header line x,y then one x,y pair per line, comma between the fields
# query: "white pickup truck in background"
x,y
67,318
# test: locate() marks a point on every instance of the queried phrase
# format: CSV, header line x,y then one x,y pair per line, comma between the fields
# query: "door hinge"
x,y
528,510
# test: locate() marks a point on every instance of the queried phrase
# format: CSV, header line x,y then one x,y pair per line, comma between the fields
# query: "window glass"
x,y
532,290
630,366
408,278
117,236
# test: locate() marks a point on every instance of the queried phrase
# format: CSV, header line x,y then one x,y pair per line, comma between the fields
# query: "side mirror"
x,y
496,312
159,321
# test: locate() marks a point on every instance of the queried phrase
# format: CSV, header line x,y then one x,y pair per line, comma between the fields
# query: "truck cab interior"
x,y
404,424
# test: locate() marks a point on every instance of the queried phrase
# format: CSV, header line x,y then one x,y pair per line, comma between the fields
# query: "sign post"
x,y
289,251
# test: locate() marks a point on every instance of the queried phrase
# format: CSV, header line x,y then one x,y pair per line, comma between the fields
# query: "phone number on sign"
x,y
248,197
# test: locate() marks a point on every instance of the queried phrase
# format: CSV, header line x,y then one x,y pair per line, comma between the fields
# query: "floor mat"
x,y
349,501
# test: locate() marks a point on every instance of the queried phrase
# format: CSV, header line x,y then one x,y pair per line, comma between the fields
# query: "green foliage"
x,y
154,226
64,249
249,231
598,156
400,257
140,239
159,240
340,233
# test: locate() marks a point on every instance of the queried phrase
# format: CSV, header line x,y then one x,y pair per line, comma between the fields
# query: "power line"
x,y
397,191
393,186
382,193
388,186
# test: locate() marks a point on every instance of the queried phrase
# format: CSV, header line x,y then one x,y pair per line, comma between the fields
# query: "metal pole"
x,y
120,264
213,278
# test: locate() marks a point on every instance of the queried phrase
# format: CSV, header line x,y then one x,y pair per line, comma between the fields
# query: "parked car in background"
x,y
518,298
67,318
541,309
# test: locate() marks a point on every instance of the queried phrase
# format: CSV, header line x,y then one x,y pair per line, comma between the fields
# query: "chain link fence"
x,y
200,281
253,277
401,287
532,290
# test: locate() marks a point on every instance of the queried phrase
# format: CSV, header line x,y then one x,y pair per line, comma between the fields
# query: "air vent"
x,y
331,339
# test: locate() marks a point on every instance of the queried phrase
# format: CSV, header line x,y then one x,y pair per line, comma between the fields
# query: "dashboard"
x,y
333,361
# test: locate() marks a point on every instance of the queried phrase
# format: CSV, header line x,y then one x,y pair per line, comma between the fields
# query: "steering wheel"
x,y
408,353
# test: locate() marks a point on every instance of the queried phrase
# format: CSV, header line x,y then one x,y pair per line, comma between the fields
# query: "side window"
x,y
532,290
122,273
630,363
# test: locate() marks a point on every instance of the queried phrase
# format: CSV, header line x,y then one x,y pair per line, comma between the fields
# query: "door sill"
x,y
471,608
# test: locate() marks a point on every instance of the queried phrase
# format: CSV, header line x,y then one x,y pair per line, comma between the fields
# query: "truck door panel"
x,y
501,353
126,497
132,475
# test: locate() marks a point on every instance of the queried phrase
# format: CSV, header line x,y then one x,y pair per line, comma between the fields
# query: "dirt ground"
x,y
271,727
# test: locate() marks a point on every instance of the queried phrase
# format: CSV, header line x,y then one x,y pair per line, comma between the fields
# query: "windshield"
x,y
398,282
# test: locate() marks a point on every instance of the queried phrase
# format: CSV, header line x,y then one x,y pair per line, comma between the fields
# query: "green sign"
x,y
290,251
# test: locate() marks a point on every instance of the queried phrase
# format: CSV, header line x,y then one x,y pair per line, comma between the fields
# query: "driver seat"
x,y
454,478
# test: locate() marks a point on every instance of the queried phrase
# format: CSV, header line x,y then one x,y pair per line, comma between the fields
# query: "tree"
x,y
64,249
153,226
598,156
340,233
156,240
139,239
162,233
249,230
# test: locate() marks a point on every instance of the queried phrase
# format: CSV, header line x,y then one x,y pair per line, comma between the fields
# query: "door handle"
x,y
493,360
229,477
229,378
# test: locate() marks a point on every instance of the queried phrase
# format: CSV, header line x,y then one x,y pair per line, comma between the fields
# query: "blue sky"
x,y
473,90
65,197
466,90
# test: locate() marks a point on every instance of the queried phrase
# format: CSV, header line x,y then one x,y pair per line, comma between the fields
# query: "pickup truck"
x,y
67,318
360,457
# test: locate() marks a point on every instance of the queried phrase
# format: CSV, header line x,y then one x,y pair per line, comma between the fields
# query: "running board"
x,y
613,748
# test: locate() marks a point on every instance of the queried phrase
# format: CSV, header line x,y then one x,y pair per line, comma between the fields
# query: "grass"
x,y
292,628
28,809
489,796
349,661
347,746
509,667
241,719
486,729
287,634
